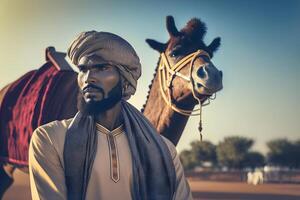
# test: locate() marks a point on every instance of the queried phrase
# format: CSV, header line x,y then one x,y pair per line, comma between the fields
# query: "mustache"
x,y
96,107
92,86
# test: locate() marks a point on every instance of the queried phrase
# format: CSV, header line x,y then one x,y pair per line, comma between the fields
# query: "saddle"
x,y
36,98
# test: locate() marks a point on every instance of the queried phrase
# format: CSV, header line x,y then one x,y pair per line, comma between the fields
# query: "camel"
x,y
170,115
183,78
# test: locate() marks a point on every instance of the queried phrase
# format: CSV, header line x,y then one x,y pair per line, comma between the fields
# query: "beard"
x,y
95,107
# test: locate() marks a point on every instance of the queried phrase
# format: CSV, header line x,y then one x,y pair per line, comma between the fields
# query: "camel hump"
x,y
58,59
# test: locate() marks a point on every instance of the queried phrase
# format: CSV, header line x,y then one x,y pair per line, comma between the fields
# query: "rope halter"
x,y
166,75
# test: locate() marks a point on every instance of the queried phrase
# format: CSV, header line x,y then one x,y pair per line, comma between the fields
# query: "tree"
x,y
254,159
285,153
204,151
296,154
232,151
187,159
200,152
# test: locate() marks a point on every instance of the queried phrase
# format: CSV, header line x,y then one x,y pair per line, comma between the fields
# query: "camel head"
x,y
185,67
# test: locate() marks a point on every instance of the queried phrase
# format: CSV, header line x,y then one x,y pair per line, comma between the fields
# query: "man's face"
x,y
99,85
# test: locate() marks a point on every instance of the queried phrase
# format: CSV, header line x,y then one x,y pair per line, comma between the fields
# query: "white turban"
x,y
112,49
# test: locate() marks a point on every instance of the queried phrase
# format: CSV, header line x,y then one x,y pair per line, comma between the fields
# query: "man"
x,y
108,150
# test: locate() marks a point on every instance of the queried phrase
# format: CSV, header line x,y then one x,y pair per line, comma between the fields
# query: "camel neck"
x,y
166,121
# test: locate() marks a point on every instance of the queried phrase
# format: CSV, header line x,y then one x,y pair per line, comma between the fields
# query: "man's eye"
x,y
103,68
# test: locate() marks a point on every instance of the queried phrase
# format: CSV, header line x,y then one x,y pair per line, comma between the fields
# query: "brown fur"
x,y
167,122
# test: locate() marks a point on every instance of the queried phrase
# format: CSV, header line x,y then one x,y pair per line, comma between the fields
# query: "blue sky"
x,y
259,54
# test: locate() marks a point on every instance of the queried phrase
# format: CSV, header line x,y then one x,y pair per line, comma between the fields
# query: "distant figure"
x,y
255,178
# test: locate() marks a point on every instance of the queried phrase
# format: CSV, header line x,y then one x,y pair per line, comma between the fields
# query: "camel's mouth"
x,y
207,91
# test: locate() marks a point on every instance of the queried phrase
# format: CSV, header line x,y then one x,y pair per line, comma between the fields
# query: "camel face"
x,y
201,76
207,78
189,58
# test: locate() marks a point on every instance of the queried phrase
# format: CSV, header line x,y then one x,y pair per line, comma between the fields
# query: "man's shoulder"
x,y
53,131
57,124
47,142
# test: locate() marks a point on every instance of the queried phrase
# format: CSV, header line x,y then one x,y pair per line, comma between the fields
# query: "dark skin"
x,y
104,76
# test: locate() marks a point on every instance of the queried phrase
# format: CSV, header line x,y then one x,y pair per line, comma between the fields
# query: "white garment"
x,y
111,176
112,166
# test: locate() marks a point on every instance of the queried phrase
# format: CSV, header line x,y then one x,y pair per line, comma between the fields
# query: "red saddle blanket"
x,y
38,97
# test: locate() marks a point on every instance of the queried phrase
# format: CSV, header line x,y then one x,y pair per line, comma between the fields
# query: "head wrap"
x,y
111,49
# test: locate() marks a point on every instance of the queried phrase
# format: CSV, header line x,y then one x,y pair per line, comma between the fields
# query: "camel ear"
x,y
171,27
160,47
214,45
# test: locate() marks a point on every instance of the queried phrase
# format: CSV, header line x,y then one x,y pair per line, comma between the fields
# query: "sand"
x,y
204,190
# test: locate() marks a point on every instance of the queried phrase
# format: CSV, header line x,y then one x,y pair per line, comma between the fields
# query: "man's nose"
x,y
89,77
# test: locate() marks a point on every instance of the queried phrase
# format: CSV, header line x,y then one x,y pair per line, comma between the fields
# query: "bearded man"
x,y
108,150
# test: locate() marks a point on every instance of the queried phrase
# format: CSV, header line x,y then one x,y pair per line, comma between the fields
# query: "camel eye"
x,y
172,54
176,51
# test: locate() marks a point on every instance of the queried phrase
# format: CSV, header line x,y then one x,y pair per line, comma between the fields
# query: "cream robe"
x,y
111,176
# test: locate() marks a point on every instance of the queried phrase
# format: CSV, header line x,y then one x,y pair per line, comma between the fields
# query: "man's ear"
x,y
124,84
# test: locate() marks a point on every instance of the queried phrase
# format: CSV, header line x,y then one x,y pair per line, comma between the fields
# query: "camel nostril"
x,y
201,72
199,85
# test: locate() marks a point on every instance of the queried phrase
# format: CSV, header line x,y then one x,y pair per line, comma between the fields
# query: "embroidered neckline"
x,y
114,132
113,150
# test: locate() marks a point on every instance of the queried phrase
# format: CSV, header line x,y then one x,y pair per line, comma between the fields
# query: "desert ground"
x,y
204,190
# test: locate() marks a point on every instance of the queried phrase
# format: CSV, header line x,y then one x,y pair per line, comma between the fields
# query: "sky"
x,y
259,54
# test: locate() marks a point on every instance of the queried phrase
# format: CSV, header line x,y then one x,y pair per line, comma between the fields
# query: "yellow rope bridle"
x,y
166,74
